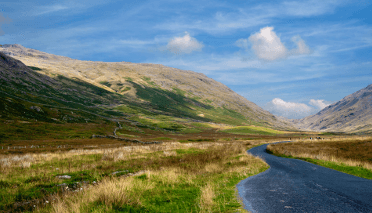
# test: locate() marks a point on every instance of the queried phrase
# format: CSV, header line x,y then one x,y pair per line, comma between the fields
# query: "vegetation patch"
x,y
159,178
126,89
128,79
34,68
252,130
106,83
201,125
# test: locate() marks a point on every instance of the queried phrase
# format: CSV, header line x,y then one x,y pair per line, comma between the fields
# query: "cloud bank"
x,y
320,104
267,45
295,110
184,45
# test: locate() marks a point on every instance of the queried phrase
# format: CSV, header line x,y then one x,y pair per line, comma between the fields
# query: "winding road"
x,y
291,185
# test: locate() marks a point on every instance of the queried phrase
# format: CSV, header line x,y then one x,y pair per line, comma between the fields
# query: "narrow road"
x,y
291,185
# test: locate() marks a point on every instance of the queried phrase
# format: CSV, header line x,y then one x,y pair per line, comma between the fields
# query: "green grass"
x,y
128,78
106,83
201,125
126,135
208,101
252,130
328,133
224,115
126,89
34,68
148,80
127,109
352,170
181,195
165,125
33,131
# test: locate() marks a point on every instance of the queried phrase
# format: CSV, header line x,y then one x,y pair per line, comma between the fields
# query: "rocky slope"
x,y
163,89
351,114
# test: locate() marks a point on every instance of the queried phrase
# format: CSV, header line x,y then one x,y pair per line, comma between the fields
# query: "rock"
x,y
114,173
36,108
64,177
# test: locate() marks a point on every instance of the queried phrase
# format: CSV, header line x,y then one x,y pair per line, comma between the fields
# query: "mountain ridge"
x,y
353,113
132,82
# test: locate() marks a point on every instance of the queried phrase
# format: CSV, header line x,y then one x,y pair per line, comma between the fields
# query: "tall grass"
x,y
191,177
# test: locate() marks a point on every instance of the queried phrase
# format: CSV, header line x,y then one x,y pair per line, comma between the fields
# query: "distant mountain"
x,y
351,114
106,90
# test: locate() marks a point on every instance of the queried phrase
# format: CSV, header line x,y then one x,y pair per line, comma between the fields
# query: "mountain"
x,y
351,114
41,86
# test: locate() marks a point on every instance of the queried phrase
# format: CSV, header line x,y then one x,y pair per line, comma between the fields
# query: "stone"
x,y
36,108
114,173
64,177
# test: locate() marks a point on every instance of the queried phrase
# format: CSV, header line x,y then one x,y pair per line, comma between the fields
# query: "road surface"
x,y
291,185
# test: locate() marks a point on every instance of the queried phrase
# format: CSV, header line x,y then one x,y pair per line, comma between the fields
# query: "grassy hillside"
x,y
33,96
154,88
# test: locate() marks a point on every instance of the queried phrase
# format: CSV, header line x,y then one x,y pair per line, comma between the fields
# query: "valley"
x,y
82,136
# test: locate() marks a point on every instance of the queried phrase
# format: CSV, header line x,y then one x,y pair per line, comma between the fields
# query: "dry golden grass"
x,y
206,198
109,192
167,164
352,151
113,192
109,154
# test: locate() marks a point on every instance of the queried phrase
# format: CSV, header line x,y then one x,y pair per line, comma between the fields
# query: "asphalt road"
x,y
291,185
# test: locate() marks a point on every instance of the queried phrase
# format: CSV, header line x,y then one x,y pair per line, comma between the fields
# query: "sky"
x,y
292,58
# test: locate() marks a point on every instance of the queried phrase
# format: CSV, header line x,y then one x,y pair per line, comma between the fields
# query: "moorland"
x,y
82,136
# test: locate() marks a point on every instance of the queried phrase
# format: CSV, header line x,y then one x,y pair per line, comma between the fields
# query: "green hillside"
x,y
32,95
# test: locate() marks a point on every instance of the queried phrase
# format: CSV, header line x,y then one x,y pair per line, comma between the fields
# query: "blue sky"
x,y
292,58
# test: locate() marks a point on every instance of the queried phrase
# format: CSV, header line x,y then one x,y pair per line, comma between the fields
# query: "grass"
x,y
163,139
349,155
194,177
126,89
252,130
106,83
35,68
42,130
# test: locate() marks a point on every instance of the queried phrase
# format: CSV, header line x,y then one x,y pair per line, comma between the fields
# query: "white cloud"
x,y
50,9
289,109
302,48
320,104
268,46
185,44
